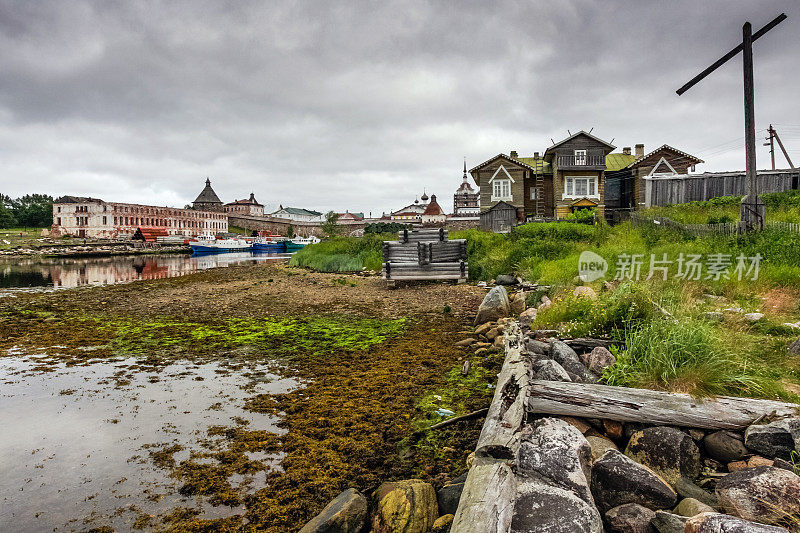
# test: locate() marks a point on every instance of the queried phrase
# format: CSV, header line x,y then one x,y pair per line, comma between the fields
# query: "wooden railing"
x,y
589,160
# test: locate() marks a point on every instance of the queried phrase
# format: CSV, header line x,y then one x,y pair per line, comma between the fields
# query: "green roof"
x,y
300,211
618,161
536,163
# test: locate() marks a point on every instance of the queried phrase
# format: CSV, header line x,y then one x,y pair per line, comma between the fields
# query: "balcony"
x,y
581,162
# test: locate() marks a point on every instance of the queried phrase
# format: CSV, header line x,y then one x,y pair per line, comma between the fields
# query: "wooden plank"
x,y
652,407
487,501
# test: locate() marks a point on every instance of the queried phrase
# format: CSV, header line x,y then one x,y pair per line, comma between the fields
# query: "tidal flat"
x,y
242,398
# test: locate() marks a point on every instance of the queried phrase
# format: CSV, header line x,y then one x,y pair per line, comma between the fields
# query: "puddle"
x,y
75,442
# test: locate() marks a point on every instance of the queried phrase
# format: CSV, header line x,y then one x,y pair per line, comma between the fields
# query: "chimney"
x,y
514,154
639,150
626,150
536,155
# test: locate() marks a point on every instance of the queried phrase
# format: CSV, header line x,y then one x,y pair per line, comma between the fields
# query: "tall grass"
x,y
343,254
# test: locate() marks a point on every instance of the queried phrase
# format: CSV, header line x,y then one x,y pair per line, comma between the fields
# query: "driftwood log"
x,y
487,502
648,406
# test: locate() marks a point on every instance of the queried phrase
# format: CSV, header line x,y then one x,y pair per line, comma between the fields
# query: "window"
x,y
501,189
534,193
104,221
580,157
579,187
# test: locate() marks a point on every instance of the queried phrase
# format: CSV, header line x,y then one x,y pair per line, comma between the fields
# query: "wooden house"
x,y
500,218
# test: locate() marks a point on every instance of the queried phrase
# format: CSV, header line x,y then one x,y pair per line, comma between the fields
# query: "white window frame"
x,y
570,187
501,185
580,157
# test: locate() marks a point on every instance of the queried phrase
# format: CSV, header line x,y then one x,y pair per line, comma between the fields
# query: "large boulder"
x,y
669,452
665,522
617,479
449,496
556,452
583,291
407,506
794,348
725,446
723,523
518,303
505,279
537,347
599,359
763,494
692,507
630,518
600,445
569,360
776,439
495,305
544,508
344,514
549,370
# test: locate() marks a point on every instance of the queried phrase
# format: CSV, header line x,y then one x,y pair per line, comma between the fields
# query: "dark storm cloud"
x,y
361,105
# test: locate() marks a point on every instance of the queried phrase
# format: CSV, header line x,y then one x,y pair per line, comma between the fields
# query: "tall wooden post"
x,y
753,210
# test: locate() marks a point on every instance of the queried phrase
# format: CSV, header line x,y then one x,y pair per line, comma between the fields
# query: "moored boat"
x,y
272,244
220,246
299,242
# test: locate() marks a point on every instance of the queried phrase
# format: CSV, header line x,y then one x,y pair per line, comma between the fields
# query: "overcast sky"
x,y
361,105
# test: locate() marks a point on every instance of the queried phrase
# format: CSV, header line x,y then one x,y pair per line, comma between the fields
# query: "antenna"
x,y
590,130
570,133
612,141
552,141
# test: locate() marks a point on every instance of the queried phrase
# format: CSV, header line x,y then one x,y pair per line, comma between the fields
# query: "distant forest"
x,y
29,211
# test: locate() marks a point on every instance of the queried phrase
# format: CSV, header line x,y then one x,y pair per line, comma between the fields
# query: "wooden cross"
x,y
753,211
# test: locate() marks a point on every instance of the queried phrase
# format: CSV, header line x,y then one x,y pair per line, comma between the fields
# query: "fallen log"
x,y
588,344
469,416
648,406
487,502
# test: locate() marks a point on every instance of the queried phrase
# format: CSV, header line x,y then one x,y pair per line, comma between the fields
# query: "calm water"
x,y
75,444
25,273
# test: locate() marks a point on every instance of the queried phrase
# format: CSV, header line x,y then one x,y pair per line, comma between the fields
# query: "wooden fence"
x,y
725,228
698,187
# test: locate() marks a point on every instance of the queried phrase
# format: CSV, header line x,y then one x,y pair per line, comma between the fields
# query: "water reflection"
x,y
68,273
74,450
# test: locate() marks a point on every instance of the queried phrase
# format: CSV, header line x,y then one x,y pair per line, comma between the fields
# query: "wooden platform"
x,y
425,254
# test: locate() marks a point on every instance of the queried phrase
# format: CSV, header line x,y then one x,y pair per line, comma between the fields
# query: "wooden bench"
x,y
425,254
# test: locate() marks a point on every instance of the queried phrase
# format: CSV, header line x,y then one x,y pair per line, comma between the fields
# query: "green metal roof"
x,y
618,161
536,163
300,211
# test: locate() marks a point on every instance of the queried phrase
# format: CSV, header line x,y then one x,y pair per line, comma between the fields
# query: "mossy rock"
x,y
407,506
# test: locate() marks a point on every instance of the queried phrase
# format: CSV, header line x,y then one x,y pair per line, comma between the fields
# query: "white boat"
x,y
221,245
299,242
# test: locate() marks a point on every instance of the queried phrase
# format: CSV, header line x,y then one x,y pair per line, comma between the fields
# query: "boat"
x,y
271,244
216,246
298,243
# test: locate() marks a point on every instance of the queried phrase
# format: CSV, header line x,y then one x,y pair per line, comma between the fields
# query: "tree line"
x,y
29,211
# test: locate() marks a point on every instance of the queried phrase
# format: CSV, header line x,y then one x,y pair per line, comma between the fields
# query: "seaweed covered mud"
x,y
242,398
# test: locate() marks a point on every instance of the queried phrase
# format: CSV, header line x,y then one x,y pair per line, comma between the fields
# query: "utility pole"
x,y
771,145
753,211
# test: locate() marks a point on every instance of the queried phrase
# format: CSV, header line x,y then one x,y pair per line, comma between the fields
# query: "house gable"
x,y
663,167
509,164
678,160
504,174
580,140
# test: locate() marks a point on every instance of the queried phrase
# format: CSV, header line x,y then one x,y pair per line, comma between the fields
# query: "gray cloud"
x,y
361,105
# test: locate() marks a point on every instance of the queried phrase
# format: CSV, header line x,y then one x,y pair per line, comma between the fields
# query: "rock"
x,y
692,507
553,450
585,292
669,452
529,314
722,523
344,514
600,445
578,423
448,497
495,305
757,460
568,359
725,446
733,466
549,370
466,342
545,508
734,310
753,317
617,479
613,428
764,494
505,279
791,325
443,523
794,348
408,506
713,316
498,341
546,303
599,359
470,460
545,333
518,303
630,518
776,439
665,522
784,465
492,334
537,347
697,434
687,489
483,328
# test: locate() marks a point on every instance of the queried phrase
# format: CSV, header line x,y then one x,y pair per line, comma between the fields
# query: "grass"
x,y
782,207
343,254
20,237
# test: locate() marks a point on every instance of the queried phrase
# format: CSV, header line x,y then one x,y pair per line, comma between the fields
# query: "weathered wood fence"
x,y
699,187
724,228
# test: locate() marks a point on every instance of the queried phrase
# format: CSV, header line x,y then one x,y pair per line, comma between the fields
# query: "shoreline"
x,y
95,251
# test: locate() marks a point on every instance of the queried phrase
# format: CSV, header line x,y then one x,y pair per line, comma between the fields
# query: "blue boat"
x,y
220,246
269,245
